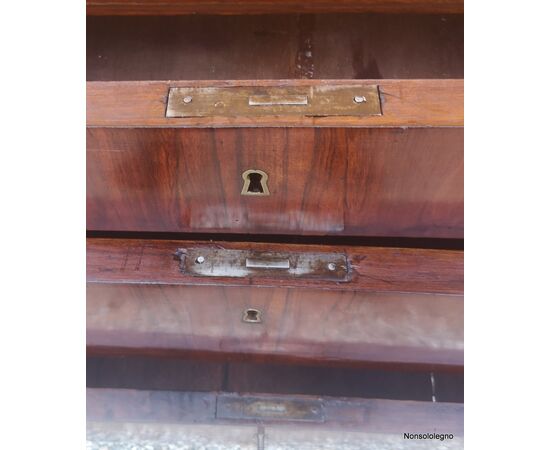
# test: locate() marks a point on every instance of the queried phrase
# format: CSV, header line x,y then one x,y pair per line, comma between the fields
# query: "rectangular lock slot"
x,y
257,101
267,263
219,262
271,100
246,407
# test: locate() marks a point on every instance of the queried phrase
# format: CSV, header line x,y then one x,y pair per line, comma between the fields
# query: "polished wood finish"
x,y
332,46
405,103
170,7
397,174
397,270
194,420
133,308
368,181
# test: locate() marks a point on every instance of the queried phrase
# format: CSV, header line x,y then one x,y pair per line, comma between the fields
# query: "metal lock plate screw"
x,y
359,99
199,260
187,99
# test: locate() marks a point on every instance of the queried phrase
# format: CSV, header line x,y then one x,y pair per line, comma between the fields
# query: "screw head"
x,y
199,260
187,99
359,99
331,266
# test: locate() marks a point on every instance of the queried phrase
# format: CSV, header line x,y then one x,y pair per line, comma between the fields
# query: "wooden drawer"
x,y
399,173
176,419
396,306
354,181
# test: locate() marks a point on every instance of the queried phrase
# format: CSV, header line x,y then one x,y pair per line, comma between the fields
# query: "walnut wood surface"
x,y
405,103
332,46
169,7
307,324
138,303
368,182
397,270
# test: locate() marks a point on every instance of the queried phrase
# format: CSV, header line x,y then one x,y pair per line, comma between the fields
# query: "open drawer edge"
x,y
388,103
337,268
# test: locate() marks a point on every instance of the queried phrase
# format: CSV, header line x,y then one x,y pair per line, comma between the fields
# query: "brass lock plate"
x,y
218,262
269,408
257,101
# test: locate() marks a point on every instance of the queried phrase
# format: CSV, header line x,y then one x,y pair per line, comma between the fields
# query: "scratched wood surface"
x,y
367,182
332,46
173,7
166,419
373,269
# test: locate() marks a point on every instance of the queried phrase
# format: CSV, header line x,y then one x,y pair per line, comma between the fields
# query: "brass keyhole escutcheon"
x,y
251,315
255,182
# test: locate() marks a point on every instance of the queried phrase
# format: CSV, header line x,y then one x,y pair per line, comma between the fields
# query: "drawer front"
x,y
342,181
395,306
308,324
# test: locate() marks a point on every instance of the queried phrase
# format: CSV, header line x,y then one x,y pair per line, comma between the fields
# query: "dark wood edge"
x,y
183,7
195,355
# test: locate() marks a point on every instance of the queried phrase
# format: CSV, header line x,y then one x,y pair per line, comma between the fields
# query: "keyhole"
x,y
252,316
255,182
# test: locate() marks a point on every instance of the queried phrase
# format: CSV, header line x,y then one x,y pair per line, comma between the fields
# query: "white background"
x,y
42,250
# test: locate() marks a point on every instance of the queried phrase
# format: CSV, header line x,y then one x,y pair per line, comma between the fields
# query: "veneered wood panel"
x,y
405,103
170,7
373,269
296,323
370,181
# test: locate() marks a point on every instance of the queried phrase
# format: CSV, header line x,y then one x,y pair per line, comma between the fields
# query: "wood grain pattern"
x,y
307,324
193,420
397,270
405,103
332,46
368,182
403,306
170,7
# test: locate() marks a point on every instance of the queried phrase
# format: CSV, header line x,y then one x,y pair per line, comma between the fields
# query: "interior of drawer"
x,y
290,46
204,375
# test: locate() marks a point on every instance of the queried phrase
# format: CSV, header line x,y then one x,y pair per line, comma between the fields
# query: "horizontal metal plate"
x,y
255,101
269,408
217,262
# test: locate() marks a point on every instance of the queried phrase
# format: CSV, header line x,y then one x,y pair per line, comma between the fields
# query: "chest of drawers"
x,y
276,182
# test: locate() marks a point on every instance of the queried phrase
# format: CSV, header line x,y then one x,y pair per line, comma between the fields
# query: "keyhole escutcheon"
x,y
251,315
255,182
